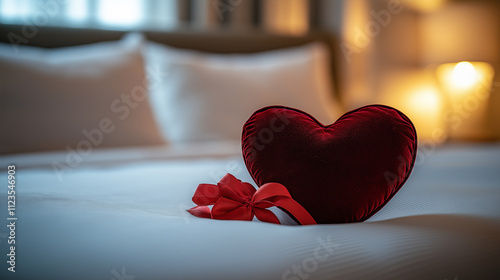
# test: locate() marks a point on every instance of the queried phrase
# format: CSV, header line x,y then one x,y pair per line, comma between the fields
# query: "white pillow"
x,y
209,97
74,98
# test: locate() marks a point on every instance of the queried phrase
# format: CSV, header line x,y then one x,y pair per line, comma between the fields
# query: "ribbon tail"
x,y
295,209
275,194
200,212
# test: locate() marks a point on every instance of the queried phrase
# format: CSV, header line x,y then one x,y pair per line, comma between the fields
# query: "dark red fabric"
x,y
340,173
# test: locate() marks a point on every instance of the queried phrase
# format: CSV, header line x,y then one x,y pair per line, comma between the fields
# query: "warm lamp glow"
x,y
467,86
464,75
426,98
417,95
424,107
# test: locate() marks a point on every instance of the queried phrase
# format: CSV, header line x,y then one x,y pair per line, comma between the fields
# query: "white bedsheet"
x,y
121,214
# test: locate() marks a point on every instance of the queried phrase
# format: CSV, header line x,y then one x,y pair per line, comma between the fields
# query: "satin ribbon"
x,y
236,200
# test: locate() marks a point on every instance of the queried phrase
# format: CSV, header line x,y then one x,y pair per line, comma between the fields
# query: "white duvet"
x,y
120,214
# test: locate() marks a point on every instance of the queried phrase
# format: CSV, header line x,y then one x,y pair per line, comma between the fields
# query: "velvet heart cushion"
x,y
340,173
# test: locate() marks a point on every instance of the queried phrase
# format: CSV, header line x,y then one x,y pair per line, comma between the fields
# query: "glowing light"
x,y
424,107
426,98
77,10
460,79
467,86
464,75
127,12
14,8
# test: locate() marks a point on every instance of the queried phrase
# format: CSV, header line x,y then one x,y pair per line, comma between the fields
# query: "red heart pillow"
x,y
340,173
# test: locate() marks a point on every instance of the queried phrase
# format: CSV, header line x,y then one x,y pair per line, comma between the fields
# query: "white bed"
x,y
121,214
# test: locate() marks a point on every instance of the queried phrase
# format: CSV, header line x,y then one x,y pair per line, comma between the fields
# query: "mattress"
x,y
121,214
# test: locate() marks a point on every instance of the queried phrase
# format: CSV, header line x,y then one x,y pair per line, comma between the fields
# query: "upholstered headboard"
x,y
225,41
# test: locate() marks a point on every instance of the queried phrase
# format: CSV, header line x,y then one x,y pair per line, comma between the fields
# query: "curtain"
x,y
294,17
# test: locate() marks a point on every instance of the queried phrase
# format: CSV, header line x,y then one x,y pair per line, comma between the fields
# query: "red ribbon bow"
x,y
236,200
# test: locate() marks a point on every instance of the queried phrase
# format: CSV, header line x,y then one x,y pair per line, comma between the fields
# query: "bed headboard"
x,y
215,41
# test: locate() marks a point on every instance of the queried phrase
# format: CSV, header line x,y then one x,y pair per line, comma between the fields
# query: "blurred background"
x,y
434,59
